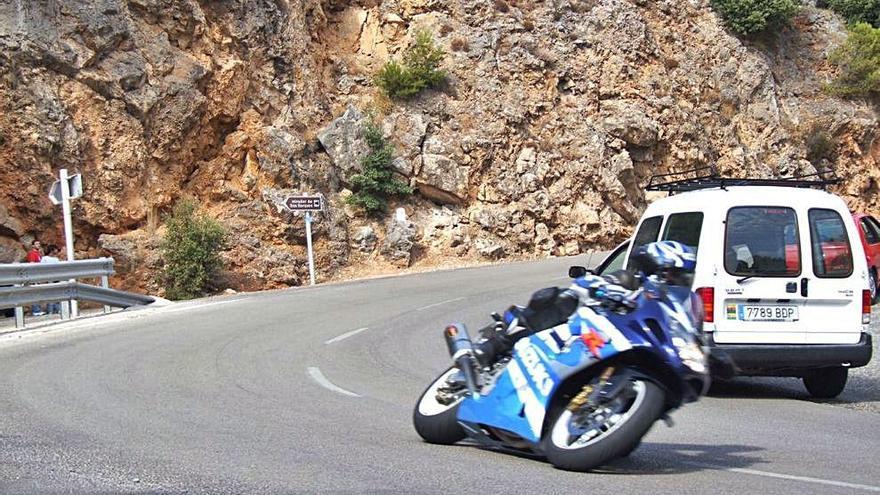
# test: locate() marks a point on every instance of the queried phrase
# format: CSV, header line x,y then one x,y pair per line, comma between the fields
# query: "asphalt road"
x,y
282,392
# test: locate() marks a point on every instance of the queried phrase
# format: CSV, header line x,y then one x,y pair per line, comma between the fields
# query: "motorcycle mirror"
x,y
579,271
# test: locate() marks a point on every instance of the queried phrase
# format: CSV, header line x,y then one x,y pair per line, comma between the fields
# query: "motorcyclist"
x,y
670,260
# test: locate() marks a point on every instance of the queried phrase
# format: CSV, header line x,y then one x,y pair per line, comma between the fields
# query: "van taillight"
x,y
866,306
707,295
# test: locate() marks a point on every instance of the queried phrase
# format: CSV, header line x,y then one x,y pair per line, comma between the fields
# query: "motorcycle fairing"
x,y
523,390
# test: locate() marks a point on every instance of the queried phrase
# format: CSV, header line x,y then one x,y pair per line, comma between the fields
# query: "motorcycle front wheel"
x,y
591,436
436,422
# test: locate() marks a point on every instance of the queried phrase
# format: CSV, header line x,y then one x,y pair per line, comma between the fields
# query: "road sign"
x,y
76,186
304,203
74,183
307,205
55,193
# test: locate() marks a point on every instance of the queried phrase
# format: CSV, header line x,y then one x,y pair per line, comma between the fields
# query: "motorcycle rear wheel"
x,y
436,422
607,441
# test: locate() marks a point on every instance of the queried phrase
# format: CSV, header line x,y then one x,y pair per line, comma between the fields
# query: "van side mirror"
x,y
579,271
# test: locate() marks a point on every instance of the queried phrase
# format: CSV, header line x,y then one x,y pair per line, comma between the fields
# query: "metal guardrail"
x,y
11,297
34,273
34,283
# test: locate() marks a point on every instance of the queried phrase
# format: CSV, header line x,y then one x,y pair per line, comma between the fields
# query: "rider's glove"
x,y
618,296
593,288
590,286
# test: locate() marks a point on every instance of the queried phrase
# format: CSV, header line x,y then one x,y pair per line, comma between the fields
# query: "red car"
x,y
835,252
869,231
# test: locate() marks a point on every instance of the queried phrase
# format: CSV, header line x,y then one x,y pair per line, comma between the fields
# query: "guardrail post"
x,y
105,283
19,317
65,310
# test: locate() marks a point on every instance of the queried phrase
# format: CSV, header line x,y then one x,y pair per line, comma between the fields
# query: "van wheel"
x,y
826,383
875,293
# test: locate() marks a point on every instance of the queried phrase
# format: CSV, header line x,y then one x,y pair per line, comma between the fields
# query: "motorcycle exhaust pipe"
x,y
462,351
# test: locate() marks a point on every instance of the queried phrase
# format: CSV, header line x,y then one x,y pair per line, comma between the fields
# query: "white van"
x,y
781,273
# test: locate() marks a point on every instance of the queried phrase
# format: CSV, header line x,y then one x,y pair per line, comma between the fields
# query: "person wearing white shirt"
x,y
52,257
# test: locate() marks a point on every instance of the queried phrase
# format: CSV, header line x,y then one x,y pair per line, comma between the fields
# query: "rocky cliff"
x,y
554,115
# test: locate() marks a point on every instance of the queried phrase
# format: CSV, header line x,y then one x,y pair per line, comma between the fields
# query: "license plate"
x,y
751,312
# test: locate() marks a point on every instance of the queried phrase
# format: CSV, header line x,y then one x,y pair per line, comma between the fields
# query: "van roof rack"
x,y
707,177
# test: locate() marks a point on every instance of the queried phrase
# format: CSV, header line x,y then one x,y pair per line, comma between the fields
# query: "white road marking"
x,y
198,306
439,304
790,477
319,377
345,335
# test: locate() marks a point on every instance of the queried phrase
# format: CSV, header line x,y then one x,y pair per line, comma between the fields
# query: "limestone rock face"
x,y
344,141
398,244
630,123
441,177
406,130
136,253
365,239
152,100
553,117
11,230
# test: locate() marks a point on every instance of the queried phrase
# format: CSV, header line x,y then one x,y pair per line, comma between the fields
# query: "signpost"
x,y
307,205
62,191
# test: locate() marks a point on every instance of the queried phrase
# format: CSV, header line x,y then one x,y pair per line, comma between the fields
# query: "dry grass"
x,y
379,104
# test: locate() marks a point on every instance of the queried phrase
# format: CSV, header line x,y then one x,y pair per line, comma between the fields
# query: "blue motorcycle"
x,y
583,392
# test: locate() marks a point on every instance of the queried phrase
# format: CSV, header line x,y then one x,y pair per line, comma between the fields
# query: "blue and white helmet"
x,y
671,260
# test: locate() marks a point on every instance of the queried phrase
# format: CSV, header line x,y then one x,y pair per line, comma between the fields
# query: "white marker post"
x,y
68,227
306,205
63,190
308,217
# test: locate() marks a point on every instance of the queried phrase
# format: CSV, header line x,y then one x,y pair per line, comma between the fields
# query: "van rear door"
x,y
759,281
833,312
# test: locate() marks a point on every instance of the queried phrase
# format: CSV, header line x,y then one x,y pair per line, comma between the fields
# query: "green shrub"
x,y
856,11
377,182
750,17
191,251
858,61
420,69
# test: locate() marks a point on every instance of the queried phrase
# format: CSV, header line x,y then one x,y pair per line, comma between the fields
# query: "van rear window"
x,y
832,256
762,241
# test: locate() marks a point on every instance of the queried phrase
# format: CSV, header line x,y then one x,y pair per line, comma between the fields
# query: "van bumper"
x,y
794,359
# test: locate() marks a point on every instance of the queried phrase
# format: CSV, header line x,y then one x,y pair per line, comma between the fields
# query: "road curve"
x,y
311,391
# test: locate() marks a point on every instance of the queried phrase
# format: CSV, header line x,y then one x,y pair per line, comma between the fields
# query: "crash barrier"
x,y
34,283
35,273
